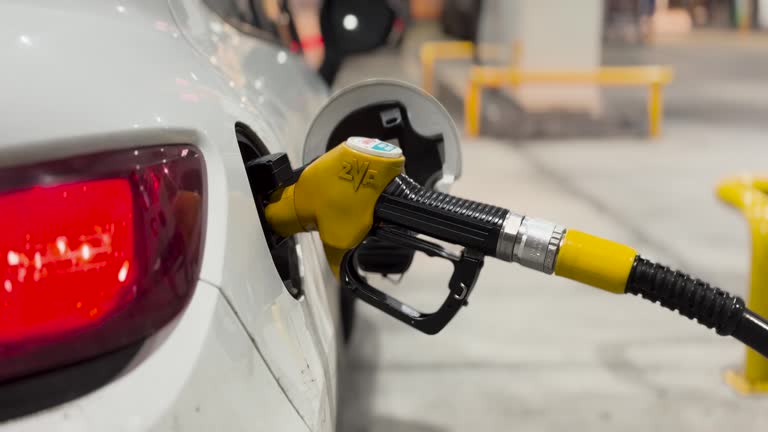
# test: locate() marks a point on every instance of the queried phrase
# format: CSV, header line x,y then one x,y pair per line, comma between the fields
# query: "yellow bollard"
x,y
472,109
427,73
427,58
655,109
517,58
750,195
745,18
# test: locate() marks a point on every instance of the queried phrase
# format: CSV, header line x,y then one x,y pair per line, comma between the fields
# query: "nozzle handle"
x,y
467,223
466,269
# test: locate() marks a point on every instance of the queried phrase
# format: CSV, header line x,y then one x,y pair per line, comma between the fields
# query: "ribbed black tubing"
x,y
456,220
404,187
753,331
697,300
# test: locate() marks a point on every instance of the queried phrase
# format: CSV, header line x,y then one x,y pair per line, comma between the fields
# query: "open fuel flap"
x,y
405,116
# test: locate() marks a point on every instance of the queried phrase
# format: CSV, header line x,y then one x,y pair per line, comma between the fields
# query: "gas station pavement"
x,y
535,352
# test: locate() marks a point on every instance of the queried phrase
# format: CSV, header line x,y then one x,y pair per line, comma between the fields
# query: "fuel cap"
x,y
400,114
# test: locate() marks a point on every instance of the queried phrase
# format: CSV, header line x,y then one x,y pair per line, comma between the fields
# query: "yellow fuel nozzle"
x,y
361,182
336,195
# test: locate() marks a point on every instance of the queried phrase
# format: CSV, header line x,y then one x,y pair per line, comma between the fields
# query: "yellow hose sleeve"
x,y
594,261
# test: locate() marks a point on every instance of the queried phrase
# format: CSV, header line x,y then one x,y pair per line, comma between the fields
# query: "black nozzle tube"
x,y
753,332
467,223
693,298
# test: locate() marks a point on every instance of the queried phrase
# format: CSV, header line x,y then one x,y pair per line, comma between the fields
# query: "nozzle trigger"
x,y
466,269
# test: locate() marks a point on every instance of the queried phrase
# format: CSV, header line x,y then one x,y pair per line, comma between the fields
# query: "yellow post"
x,y
655,109
750,195
427,76
427,57
472,108
745,18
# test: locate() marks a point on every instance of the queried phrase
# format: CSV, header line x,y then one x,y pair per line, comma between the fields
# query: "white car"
x,y
138,290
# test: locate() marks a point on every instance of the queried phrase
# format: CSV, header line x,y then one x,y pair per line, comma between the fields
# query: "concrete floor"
x,y
533,352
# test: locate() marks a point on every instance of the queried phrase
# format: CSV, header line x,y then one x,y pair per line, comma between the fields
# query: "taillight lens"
x,y
67,257
95,252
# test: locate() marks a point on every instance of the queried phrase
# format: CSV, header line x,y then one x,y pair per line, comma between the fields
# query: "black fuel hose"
x,y
695,299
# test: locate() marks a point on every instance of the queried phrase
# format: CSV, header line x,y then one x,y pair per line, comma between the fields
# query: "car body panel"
x,y
223,384
81,77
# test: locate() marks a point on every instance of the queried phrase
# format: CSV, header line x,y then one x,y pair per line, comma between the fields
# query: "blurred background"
x,y
573,141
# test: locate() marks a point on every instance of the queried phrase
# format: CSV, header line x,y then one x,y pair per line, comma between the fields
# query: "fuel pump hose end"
x,y
491,230
617,268
595,261
696,299
692,298
535,243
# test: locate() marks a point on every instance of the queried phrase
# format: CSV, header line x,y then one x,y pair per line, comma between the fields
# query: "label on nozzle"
x,y
375,147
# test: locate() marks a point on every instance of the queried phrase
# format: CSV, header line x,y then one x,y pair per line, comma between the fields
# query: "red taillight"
x,y
95,253
67,254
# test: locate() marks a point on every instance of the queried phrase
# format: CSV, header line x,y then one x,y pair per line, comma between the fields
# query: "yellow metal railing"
x,y
447,50
480,77
431,52
655,77
750,195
